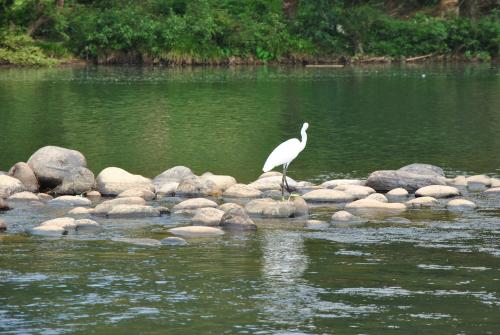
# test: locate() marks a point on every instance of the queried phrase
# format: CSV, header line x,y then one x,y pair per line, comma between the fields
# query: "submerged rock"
x,y
87,224
133,211
70,200
106,206
195,204
207,216
25,174
10,185
146,242
44,196
197,231
422,202
242,191
174,241
237,219
437,191
397,195
300,207
113,181
327,195
316,224
344,217
93,195
458,205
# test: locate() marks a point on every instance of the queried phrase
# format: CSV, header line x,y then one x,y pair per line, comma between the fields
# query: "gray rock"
x,y
221,182
145,242
113,181
411,178
23,196
459,205
397,195
175,174
207,217
242,191
279,209
495,182
167,189
174,241
10,185
237,219
437,191
422,202
106,206
344,217
133,211
423,169
56,166
195,204
458,181
163,210
196,231
270,174
137,192
70,200
44,197
256,206
196,187
327,195
25,174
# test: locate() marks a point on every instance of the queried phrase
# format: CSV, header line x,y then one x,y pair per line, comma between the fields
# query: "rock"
x,y
397,195
478,183
145,242
458,181
137,192
55,227
70,200
10,185
397,220
327,195
377,197
494,191
242,191
175,174
78,180
80,211
422,202
357,191
25,174
344,217
336,182
459,205
256,206
272,183
301,207
3,205
195,187
411,178
195,204
133,211
167,189
56,166
367,206
207,217
228,206
174,241
106,206
24,196
437,191
113,181
87,224
316,224
495,182
279,209
237,219
93,195
163,210
44,197
270,174
220,181
3,226
196,231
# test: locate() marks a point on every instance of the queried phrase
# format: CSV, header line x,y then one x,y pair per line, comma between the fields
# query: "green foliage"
x,y
16,49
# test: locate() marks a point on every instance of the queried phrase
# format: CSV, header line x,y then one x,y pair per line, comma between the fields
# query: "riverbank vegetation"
x,y
44,32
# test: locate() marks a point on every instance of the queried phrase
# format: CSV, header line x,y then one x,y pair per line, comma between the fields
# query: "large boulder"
x,y
207,216
437,191
237,219
106,206
10,185
113,181
54,166
133,211
328,195
175,174
25,174
197,231
242,191
410,177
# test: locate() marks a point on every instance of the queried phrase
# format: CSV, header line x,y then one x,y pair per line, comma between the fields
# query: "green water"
x,y
439,274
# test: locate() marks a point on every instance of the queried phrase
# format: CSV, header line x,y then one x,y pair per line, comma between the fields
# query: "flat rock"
x,y
367,206
336,182
272,183
146,242
458,205
104,207
494,191
237,219
377,197
44,196
25,174
357,191
242,191
195,203
113,181
207,216
344,217
23,196
327,195
411,178
422,202
197,231
55,227
138,192
10,185
80,211
423,169
175,174
70,200
437,191
133,211
174,241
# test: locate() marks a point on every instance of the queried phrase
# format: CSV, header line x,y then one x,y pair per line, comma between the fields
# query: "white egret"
x,y
284,154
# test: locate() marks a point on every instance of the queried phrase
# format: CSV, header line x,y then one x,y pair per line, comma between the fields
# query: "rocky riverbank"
x,y
57,181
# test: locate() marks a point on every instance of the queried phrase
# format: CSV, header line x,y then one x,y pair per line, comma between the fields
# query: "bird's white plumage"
x,y
287,151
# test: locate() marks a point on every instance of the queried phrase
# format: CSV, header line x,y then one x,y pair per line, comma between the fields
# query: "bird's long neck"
x,y
304,139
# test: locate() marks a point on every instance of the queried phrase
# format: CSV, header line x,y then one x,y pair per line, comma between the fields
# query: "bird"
x,y
284,154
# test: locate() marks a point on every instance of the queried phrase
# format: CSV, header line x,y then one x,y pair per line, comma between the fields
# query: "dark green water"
x,y
440,274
